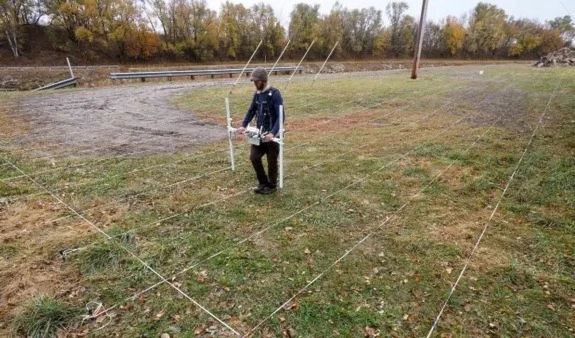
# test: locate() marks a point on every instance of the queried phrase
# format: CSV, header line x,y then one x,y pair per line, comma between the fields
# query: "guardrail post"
x,y
143,79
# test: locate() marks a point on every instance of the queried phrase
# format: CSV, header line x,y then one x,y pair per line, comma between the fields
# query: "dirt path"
x,y
120,119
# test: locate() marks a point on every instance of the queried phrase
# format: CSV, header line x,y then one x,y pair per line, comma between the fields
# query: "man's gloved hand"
x,y
269,137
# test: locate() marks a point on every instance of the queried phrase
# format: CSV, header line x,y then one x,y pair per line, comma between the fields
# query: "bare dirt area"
x,y
121,119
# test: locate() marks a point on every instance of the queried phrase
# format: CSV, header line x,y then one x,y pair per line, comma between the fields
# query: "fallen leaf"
x,y
467,307
369,332
290,333
202,276
551,307
84,332
306,251
405,317
449,270
60,333
159,315
291,306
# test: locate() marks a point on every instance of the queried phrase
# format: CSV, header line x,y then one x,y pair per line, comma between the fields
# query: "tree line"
x,y
190,30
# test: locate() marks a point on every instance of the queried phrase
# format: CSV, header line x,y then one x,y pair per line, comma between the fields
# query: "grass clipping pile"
x,y
564,56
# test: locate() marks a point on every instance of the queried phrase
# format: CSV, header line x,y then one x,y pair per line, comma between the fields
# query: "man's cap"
x,y
259,74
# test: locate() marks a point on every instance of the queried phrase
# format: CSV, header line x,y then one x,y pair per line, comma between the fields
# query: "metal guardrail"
x,y
193,73
60,67
60,84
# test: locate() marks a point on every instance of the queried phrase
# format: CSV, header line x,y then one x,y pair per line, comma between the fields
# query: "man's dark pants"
x,y
271,150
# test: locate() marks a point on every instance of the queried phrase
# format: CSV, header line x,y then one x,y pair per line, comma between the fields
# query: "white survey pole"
x,y
300,61
281,143
246,66
70,68
230,131
332,50
279,58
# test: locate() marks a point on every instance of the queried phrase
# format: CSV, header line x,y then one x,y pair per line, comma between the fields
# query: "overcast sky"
x,y
438,9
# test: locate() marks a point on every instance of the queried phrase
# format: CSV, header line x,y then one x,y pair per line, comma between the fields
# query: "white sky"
x,y
438,9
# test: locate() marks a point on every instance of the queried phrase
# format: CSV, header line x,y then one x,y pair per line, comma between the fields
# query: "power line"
x,y
566,9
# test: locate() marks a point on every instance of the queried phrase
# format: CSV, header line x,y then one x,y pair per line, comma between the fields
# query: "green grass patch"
x,y
357,150
44,317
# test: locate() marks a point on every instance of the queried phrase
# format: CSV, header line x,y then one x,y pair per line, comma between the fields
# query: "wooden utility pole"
x,y
420,34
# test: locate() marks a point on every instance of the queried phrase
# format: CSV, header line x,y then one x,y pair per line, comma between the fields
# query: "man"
x,y
265,107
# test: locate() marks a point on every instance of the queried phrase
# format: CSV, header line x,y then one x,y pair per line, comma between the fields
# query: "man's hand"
x,y
269,137
241,130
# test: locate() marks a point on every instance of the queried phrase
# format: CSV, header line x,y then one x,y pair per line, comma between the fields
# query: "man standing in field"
x,y
265,107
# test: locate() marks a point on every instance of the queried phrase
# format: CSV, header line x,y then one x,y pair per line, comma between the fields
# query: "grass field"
x,y
389,186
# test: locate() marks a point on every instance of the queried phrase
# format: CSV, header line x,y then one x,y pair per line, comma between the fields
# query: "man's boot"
x,y
268,189
260,189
